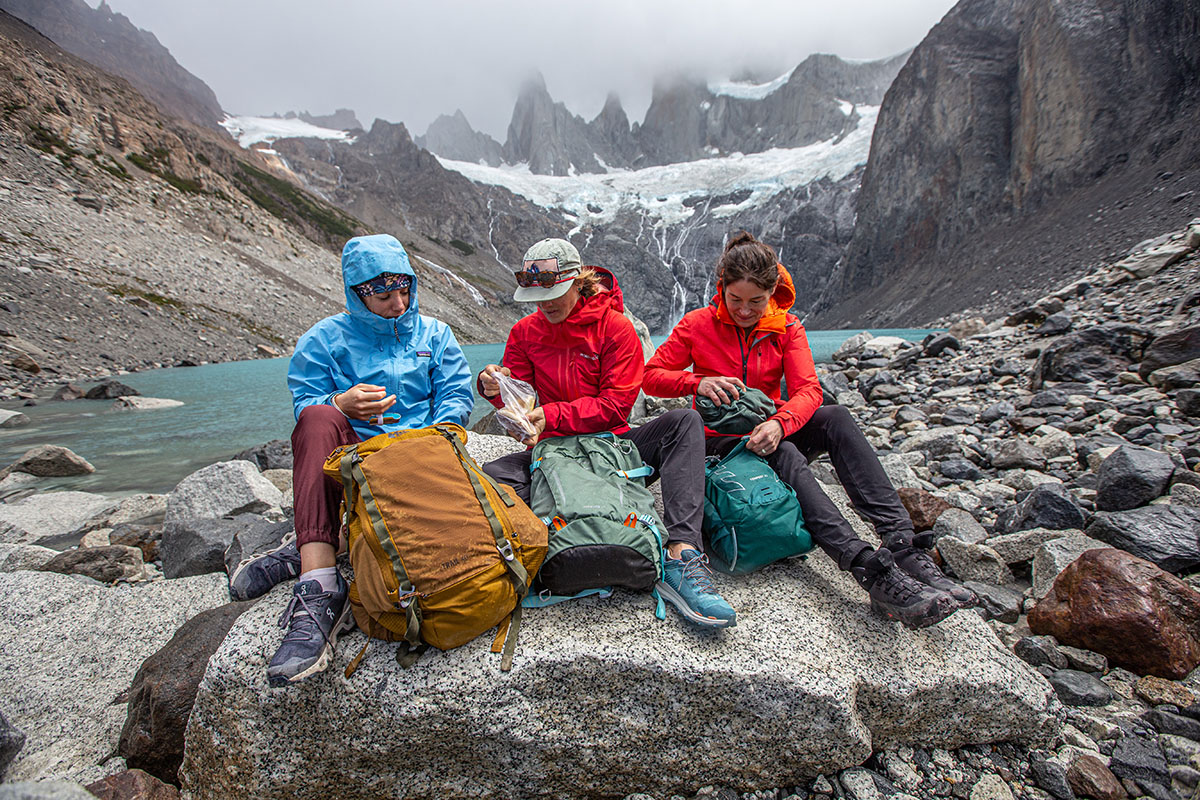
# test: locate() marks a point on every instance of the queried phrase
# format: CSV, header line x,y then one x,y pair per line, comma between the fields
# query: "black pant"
x,y
673,444
832,430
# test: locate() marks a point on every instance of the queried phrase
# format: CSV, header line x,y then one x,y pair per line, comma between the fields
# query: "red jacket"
x,y
708,341
587,369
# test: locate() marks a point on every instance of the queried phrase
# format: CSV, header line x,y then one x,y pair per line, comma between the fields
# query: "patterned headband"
x,y
384,282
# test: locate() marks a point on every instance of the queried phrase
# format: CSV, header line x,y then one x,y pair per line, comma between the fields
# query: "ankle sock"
x,y
326,576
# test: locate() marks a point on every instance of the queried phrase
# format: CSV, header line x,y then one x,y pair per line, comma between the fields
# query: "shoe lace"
x,y
697,571
300,621
897,584
275,557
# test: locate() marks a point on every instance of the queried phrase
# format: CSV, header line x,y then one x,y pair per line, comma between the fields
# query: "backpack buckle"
x,y
631,521
405,600
506,550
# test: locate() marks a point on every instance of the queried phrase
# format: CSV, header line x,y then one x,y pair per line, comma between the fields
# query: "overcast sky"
x,y
409,62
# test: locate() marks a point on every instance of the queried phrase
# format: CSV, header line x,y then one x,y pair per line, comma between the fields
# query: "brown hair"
x,y
588,281
746,258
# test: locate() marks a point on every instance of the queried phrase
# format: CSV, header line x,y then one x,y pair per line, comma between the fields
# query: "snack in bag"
x,y
519,399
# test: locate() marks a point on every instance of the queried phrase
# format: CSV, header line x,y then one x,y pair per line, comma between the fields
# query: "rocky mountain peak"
x,y
110,41
547,136
451,136
343,119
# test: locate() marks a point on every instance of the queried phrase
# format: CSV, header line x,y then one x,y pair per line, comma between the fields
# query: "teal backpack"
x,y
604,532
751,517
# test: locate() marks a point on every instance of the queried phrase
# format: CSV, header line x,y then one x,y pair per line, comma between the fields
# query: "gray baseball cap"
x,y
548,256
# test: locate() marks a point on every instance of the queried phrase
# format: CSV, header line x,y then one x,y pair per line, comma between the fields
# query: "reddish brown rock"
x,y
1157,691
133,784
1140,617
1090,778
923,507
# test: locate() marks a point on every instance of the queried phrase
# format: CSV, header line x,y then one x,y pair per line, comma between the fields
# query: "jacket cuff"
x,y
550,410
329,402
787,421
496,401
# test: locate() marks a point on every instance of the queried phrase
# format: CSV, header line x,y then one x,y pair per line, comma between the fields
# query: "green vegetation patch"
x,y
291,203
125,290
48,141
156,162
462,247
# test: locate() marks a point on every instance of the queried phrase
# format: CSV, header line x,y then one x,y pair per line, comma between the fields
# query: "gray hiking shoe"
x,y
262,572
897,595
314,619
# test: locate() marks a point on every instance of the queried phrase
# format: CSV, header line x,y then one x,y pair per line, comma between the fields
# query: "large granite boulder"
x,y
52,461
164,688
1140,617
275,454
49,515
12,739
222,489
605,700
1131,477
44,790
69,648
1168,535
107,564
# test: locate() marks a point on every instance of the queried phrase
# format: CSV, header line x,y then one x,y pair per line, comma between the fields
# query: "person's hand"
x,y
720,390
537,418
491,386
363,401
765,438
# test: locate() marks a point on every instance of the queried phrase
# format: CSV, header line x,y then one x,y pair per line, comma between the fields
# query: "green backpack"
x,y
751,517
739,417
604,531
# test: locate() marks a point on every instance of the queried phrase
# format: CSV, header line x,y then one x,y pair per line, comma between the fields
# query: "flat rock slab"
x,y
68,648
44,516
606,700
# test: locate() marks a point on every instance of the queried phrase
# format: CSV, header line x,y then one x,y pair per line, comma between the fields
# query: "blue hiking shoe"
x,y
687,584
262,572
313,619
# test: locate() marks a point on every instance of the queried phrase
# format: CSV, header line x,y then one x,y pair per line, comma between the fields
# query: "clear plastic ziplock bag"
x,y
519,399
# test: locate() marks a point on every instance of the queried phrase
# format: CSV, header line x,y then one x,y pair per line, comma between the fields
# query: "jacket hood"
x,y
365,257
774,319
587,312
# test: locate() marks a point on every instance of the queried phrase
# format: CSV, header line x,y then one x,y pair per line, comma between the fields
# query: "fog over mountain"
x,y
409,62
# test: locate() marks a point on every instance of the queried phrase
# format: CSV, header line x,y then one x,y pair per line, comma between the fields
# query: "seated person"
x,y
378,366
747,338
584,359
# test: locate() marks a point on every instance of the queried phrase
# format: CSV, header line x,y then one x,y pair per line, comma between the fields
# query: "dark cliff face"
x,y
1014,125
112,43
546,135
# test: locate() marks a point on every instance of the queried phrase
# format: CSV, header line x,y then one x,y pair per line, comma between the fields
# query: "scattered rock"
x,y
1000,602
275,454
52,461
1047,506
68,391
44,790
1091,354
923,508
1089,777
1139,617
110,390
1020,547
1158,691
1140,759
1055,555
1076,688
144,403
50,515
222,489
1040,651
256,535
11,742
105,564
12,419
133,784
164,689
15,557
198,546
1167,535
1014,453
1170,349
1131,477
960,524
974,562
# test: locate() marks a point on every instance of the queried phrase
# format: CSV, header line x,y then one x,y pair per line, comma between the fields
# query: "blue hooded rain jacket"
x,y
413,357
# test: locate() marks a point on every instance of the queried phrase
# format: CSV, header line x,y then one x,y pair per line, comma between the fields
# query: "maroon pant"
x,y
315,496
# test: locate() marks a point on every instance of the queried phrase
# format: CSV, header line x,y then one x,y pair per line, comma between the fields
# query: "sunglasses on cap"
x,y
543,272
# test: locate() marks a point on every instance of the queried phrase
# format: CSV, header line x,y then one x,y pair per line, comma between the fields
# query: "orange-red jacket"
x,y
587,369
708,341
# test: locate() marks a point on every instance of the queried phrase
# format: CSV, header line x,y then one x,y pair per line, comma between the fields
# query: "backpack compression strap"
x,y
354,483
519,575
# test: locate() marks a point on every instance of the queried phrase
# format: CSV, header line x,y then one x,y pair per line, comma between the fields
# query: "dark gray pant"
x,y
673,444
832,430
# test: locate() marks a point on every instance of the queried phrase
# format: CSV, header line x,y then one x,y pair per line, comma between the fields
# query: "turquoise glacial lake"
x,y
226,409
